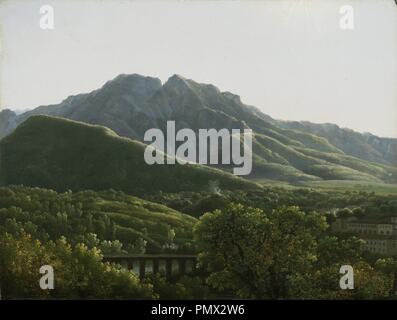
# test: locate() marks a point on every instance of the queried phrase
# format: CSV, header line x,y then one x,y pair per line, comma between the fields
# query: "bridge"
x,y
169,264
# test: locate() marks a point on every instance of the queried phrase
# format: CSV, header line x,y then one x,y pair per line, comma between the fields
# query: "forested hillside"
x,y
110,220
262,248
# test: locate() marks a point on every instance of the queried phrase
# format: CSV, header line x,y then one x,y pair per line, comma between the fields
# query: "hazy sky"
x,y
290,58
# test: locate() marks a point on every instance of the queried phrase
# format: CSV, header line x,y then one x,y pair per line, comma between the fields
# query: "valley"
x,y
75,191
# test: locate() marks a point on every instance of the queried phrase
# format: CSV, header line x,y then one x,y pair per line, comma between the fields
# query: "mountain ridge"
x,y
288,151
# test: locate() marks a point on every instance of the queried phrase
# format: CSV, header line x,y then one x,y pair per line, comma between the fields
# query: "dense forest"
x,y
273,243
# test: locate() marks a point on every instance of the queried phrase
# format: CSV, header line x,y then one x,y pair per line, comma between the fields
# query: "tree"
x,y
285,254
389,267
79,271
256,255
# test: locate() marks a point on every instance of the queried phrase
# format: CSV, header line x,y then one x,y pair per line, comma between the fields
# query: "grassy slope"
x,y
334,185
293,155
62,154
313,163
346,185
381,171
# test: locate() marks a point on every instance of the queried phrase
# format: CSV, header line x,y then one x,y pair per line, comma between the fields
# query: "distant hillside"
x,y
62,154
364,146
132,104
8,122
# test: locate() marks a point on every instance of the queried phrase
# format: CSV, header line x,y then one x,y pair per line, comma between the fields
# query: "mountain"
x,y
364,146
62,154
132,104
8,122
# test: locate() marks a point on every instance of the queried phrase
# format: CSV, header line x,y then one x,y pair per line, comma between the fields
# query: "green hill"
x,y
62,154
364,146
96,219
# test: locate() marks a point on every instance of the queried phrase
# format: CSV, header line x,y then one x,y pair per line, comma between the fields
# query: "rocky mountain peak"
x,y
133,84
178,82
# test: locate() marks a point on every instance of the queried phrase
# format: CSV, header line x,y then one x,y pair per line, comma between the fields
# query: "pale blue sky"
x,y
288,57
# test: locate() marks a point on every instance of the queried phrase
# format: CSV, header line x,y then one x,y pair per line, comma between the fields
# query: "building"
x,y
380,238
376,245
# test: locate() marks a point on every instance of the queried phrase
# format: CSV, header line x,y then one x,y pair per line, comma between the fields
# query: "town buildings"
x,y
379,237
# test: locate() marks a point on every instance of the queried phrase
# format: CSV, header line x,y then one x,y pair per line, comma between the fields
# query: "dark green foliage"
x,y
187,287
109,220
284,254
79,272
365,204
273,252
